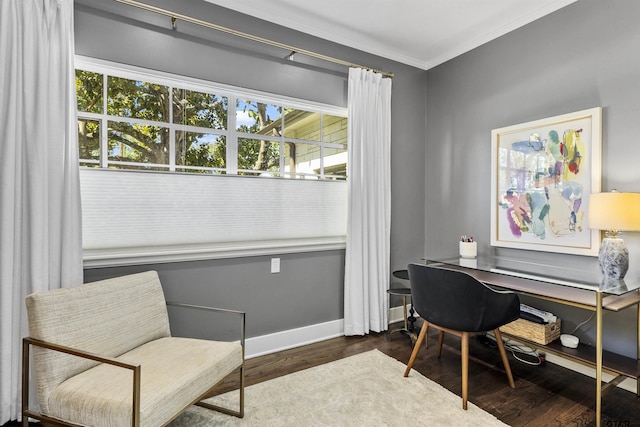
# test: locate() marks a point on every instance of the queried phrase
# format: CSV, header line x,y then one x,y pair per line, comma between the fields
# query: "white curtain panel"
x,y
369,203
40,229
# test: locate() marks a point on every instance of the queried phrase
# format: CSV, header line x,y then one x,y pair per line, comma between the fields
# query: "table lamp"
x,y
614,212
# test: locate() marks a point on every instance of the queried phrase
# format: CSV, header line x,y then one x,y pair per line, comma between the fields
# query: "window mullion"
x,y
282,131
172,133
104,123
232,137
321,147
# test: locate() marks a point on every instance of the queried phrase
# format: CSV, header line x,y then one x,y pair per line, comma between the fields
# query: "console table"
x,y
584,288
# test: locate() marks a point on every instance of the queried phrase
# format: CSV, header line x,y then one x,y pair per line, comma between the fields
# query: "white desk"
x,y
583,288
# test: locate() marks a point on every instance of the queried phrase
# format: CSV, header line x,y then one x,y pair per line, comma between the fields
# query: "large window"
x,y
170,166
134,120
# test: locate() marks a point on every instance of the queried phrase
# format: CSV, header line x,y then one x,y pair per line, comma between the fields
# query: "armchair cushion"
x,y
175,369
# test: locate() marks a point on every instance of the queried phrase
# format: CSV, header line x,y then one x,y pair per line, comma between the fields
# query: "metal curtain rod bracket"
x,y
294,50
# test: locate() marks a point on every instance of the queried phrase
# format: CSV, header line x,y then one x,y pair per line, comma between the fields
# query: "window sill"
x,y
112,257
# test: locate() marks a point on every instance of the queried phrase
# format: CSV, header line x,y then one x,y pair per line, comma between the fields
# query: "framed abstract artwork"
x,y
542,174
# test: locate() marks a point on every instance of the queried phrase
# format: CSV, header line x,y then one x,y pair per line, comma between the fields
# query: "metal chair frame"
x,y
136,371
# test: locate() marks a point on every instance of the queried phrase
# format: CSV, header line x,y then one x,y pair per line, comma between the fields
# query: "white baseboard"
x,y
292,338
271,343
397,315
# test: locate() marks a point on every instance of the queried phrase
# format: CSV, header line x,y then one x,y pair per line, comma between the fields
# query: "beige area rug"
x,y
367,389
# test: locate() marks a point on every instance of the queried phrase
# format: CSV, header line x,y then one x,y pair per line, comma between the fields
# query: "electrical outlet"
x,y
275,265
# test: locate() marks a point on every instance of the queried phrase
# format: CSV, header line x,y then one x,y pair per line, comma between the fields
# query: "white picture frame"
x,y
543,172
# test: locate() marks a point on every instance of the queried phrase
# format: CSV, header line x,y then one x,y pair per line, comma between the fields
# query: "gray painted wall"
x,y
309,290
580,57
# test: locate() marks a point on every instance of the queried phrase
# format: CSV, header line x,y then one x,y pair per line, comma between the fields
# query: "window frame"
x,y
231,134
138,255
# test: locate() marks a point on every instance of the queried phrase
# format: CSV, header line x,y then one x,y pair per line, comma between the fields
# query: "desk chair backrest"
x,y
455,300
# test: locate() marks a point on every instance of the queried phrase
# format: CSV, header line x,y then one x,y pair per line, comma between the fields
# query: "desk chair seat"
x,y
455,302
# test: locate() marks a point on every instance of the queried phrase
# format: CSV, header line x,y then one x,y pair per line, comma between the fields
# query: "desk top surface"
x,y
583,279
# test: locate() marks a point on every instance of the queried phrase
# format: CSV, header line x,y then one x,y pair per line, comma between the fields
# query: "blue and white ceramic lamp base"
x,y
613,257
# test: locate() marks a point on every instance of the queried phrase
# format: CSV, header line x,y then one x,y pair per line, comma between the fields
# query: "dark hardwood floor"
x,y
544,396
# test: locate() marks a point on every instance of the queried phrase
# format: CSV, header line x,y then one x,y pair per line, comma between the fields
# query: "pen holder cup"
x,y
468,249
468,262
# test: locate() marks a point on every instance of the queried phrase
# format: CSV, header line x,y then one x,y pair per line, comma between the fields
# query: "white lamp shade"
x,y
614,211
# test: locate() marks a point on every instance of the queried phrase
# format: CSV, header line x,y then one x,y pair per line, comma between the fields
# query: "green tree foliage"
x,y
139,100
143,143
206,111
89,98
258,154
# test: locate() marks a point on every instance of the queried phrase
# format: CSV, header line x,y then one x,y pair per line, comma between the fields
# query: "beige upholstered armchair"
x,y
103,355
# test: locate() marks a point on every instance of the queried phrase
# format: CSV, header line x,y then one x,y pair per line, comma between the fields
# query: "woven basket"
x,y
535,332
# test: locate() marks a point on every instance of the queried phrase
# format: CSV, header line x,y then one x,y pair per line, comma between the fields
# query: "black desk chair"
x,y
453,301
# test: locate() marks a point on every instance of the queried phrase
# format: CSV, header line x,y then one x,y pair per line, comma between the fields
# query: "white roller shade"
x,y
122,210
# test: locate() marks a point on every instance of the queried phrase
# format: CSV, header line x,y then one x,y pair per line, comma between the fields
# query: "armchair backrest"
x,y
455,300
108,317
